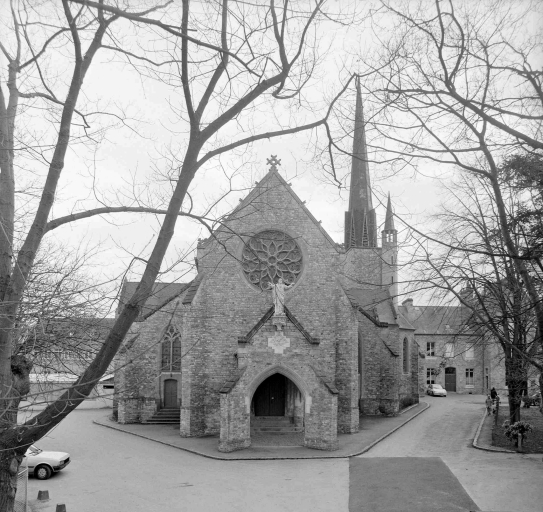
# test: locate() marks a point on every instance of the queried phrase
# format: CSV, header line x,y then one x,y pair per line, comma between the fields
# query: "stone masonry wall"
x,y
460,361
227,306
138,381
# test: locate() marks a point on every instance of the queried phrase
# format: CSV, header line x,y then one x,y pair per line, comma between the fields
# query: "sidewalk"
x,y
483,437
373,429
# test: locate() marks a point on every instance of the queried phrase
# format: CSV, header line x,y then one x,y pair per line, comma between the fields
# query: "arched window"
x,y
171,350
405,355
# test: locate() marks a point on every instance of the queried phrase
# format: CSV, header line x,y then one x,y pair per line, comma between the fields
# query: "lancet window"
x,y
171,350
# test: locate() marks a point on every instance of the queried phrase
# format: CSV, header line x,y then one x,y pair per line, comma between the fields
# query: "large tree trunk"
x,y
514,378
10,460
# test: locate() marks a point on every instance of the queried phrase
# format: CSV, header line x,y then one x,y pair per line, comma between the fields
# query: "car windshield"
x,y
33,450
437,386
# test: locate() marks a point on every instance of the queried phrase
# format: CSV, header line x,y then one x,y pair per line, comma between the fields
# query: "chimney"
x,y
408,304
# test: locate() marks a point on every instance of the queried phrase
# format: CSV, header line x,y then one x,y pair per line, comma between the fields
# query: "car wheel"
x,y
42,472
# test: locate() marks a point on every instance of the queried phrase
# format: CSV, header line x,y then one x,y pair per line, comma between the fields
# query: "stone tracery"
x,y
269,256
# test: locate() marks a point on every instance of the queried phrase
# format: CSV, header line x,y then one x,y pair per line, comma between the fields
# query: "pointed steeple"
x,y
389,219
360,192
389,235
360,225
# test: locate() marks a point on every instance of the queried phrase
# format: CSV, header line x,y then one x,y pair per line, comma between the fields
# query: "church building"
x,y
281,325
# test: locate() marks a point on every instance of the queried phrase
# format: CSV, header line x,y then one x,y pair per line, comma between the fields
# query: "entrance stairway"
x,y
273,425
165,417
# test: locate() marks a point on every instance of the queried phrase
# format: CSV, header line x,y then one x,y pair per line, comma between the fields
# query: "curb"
x,y
486,448
370,446
195,452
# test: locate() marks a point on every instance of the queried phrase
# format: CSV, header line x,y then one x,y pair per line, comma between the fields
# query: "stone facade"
x,y
338,345
334,344
454,358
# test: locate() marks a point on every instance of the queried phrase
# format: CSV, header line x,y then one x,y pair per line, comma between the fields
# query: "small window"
x,y
470,352
430,376
405,353
449,349
430,348
469,376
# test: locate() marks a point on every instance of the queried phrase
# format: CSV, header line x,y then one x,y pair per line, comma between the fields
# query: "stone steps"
x,y
274,425
277,430
165,417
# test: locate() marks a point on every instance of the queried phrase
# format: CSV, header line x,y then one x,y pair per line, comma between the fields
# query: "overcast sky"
x,y
134,156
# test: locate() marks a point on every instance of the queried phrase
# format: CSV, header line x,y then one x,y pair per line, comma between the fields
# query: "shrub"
x,y
520,428
406,401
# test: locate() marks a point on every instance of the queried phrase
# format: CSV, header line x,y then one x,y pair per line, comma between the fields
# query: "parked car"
x,y
436,390
534,399
43,464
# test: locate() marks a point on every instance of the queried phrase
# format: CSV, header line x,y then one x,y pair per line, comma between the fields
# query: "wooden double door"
x,y
270,397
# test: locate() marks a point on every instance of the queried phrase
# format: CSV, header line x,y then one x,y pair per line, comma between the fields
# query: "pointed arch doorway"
x,y
277,408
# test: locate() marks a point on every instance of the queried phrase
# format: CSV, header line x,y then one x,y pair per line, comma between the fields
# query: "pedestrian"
x,y
493,393
488,403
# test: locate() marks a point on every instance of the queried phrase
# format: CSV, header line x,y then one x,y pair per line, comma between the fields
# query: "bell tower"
x,y
389,241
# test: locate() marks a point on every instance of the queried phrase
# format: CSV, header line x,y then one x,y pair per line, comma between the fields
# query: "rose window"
x,y
270,256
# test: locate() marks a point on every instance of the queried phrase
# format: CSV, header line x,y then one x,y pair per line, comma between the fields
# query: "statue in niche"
x,y
278,295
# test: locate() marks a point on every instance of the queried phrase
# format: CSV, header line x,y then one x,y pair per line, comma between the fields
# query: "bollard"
x,y
43,495
61,507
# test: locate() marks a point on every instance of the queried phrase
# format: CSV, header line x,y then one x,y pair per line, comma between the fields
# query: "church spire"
x,y
360,225
389,219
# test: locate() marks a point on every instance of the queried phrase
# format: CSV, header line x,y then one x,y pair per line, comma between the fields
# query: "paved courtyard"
x,y
115,471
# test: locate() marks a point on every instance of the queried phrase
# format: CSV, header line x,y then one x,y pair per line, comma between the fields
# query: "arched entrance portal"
x,y
277,406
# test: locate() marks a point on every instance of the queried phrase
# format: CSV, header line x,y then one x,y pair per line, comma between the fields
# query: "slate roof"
x,y
376,304
445,320
192,289
326,381
247,338
232,381
163,294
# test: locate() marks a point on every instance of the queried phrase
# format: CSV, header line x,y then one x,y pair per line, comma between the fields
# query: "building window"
x,y
405,353
430,348
430,376
171,351
449,349
470,352
469,376
270,256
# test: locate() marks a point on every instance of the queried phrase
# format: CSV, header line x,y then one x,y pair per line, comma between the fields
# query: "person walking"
x,y
493,393
488,403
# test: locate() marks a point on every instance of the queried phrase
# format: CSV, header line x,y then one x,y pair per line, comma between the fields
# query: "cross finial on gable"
x,y
274,162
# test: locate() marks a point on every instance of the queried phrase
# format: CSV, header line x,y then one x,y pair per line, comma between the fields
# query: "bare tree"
x,y
462,94
242,57
474,267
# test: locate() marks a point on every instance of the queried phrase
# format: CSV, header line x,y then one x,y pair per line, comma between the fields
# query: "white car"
x,y
436,390
43,464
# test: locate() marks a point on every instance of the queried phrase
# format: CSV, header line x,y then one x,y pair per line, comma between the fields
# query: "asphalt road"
x,y
113,471
495,481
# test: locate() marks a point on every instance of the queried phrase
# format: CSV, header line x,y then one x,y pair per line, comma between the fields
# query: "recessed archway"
x,y
277,404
